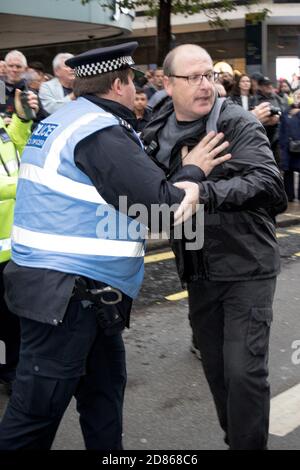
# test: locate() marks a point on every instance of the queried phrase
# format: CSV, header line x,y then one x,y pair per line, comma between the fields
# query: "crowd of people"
x,y
94,107
254,93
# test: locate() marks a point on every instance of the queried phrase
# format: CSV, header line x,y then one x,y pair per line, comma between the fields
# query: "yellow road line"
x,y
178,296
281,235
292,215
159,257
294,230
297,254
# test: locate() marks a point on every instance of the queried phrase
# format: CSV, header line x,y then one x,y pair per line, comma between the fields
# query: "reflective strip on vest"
x,y
77,245
5,244
59,183
53,158
11,165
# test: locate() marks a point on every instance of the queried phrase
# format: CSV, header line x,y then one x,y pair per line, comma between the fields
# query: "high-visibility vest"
x,y
9,166
61,221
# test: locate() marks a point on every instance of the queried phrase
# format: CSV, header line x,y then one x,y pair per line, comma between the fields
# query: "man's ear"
x,y
117,86
167,85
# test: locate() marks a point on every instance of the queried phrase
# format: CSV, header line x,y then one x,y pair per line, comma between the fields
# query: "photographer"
x,y
12,141
265,93
16,64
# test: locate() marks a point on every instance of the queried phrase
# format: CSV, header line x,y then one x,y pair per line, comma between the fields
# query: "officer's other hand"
x,y
32,101
262,112
204,154
188,204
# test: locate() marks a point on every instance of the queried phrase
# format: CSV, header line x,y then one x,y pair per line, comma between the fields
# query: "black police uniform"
x,y
10,335
66,350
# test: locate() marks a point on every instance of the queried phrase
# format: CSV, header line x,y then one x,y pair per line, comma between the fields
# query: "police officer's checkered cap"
x,y
98,68
103,60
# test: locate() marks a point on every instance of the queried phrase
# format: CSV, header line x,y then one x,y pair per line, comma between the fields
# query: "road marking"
x,y
294,230
159,257
285,416
178,296
292,215
297,254
281,235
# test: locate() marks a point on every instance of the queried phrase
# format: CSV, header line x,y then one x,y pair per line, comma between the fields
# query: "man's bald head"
x,y
178,53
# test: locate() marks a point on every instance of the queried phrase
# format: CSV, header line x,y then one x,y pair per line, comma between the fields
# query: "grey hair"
x,y
18,54
59,58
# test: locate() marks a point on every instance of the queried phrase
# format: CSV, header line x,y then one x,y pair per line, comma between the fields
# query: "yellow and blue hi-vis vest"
x,y
61,222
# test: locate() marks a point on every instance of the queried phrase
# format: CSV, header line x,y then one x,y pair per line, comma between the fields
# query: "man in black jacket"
x,y
231,281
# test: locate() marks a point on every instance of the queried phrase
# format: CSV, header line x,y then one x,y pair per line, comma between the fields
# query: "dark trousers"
x,y
231,324
74,358
289,185
9,334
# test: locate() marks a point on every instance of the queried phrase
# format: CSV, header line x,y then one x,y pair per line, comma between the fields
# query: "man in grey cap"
x,y
77,255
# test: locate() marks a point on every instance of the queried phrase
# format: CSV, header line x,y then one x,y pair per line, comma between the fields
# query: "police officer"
x,y
12,141
78,257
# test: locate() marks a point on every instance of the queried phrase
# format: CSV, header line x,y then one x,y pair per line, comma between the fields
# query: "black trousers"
x,y
289,184
9,334
231,324
74,358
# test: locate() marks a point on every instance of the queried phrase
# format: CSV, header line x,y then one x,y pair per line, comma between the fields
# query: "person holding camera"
x,y
289,141
265,93
12,141
16,64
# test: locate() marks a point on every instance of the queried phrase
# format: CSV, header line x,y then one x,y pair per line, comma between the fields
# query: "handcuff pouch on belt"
x,y
103,301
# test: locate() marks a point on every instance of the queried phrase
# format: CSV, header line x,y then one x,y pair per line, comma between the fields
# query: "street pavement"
x,y
168,405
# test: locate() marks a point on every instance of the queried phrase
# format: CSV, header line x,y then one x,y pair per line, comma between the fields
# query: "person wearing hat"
x,y
226,75
77,252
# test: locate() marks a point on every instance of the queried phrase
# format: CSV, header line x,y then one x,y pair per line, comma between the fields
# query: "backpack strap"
x,y
211,123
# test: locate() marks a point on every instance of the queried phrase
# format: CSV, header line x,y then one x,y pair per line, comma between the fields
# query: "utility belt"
x,y
105,301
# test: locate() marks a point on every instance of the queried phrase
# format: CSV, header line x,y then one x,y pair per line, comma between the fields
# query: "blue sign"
x,y
41,134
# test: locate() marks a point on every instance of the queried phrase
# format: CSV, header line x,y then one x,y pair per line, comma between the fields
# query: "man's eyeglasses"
x,y
197,79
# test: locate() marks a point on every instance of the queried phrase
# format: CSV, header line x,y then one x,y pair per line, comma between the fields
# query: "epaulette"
x,y
125,124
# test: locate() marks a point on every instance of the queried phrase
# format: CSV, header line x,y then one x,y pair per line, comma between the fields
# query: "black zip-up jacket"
x,y
241,197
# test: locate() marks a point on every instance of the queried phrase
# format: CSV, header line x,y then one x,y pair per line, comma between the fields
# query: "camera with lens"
x,y
274,111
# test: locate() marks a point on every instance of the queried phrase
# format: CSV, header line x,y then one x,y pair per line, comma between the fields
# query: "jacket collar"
x,y
113,107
